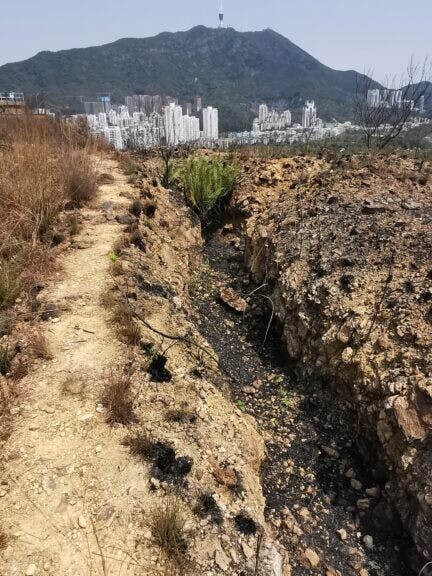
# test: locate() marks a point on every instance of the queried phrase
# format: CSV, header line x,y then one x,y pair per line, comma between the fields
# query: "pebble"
x,y
311,557
373,492
154,483
342,533
368,541
98,449
222,560
82,522
356,484
31,570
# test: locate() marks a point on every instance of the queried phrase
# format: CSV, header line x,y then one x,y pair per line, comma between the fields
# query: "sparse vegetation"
x,y
167,526
206,182
181,415
39,347
9,284
5,323
241,405
41,165
140,445
4,539
118,400
80,178
5,360
127,328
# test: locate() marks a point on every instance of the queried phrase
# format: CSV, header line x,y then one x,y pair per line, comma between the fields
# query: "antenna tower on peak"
x,y
221,15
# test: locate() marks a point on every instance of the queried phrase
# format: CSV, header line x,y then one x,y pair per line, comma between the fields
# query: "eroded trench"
x,y
320,495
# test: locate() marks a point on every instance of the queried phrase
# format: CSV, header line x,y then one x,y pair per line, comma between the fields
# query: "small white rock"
x,y
368,541
342,533
82,522
31,570
98,449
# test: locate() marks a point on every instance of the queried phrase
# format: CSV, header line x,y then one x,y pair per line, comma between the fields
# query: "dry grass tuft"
x,y
116,268
9,284
167,527
140,445
80,178
117,399
5,360
5,323
73,223
4,539
126,326
105,178
74,385
120,244
19,368
39,347
136,208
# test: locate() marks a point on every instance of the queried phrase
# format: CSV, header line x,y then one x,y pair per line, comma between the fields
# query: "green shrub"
x,y
206,182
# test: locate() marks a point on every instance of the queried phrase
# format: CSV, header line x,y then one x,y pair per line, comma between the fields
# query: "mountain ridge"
x,y
232,70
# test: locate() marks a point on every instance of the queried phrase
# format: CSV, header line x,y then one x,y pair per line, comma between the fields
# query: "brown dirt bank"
x,y
344,246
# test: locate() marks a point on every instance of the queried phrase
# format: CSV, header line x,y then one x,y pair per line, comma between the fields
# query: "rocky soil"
x,y
342,246
87,466
320,498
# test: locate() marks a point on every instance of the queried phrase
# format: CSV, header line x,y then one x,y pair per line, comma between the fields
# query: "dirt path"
x,y
66,475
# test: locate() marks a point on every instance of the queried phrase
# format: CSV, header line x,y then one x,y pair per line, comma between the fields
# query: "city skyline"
x,y
325,30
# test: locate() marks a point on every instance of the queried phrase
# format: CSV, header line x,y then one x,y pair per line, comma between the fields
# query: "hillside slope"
x,y
233,70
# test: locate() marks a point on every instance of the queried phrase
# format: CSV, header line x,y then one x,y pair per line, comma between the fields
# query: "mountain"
x,y
236,71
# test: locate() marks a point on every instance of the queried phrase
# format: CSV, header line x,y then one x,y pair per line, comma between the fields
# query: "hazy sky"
x,y
346,34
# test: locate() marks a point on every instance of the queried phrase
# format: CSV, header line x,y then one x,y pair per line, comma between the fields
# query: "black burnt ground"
x,y
313,480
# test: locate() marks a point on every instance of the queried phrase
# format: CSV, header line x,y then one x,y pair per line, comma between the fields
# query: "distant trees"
x,y
383,113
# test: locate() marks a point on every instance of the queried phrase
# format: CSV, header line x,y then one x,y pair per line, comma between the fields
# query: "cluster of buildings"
x,y
274,127
145,121
393,99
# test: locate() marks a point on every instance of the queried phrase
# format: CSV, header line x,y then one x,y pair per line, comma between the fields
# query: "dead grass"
x,y
120,244
39,347
5,360
105,178
140,445
19,367
74,386
80,178
118,400
136,208
181,415
127,328
73,223
167,525
5,323
4,539
116,268
40,161
9,284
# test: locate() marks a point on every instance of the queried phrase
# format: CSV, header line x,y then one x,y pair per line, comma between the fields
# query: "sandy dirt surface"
x,y
64,500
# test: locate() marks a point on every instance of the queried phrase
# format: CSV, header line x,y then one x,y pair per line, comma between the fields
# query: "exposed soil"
x,y
66,508
308,431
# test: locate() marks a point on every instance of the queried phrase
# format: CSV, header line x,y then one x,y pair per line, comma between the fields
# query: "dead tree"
x,y
382,121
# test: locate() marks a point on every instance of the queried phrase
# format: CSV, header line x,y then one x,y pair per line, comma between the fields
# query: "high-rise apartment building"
x,y
309,114
373,98
263,112
197,104
211,123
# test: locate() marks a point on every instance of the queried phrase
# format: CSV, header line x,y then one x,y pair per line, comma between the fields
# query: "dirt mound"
x,y
344,244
